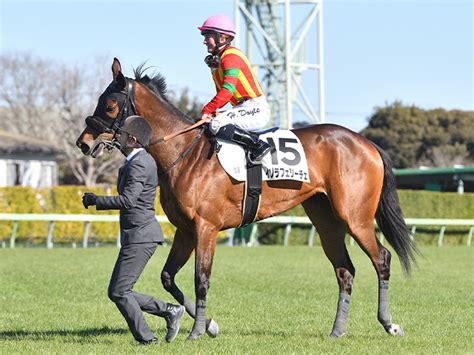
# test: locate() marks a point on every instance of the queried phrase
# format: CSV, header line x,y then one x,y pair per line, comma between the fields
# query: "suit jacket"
x,y
136,185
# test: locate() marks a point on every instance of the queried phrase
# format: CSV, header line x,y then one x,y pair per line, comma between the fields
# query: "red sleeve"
x,y
222,97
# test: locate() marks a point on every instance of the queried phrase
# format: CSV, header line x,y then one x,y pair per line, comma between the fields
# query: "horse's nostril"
x,y
84,148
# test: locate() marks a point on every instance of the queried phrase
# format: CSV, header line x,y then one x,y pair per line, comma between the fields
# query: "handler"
x,y
140,233
236,83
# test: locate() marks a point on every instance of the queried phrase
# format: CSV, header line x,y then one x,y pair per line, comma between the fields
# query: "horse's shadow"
x,y
42,334
275,333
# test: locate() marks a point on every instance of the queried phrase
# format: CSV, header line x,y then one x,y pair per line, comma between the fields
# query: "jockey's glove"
x,y
89,199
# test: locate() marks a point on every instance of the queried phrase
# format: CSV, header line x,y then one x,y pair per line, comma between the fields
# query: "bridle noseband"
x,y
127,109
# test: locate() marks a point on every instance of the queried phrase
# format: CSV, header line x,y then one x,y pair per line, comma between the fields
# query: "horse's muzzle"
x,y
84,147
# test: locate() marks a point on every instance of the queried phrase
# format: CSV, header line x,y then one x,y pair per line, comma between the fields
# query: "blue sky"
x,y
419,52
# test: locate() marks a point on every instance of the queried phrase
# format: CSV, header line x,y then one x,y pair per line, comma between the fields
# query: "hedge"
x,y
61,200
414,203
67,200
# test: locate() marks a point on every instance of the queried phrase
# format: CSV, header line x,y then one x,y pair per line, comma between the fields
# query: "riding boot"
x,y
257,148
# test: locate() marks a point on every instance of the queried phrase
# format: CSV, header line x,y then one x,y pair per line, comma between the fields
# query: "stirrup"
x,y
258,159
253,161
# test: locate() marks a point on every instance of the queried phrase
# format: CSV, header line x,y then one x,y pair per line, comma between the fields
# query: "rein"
x,y
187,129
128,108
196,138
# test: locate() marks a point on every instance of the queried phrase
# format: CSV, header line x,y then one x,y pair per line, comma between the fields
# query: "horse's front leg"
x,y
182,248
205,247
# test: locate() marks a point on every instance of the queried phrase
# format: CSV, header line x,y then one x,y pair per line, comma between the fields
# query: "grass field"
x,y
266,300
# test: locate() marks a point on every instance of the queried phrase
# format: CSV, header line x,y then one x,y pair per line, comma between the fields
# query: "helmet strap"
x,y
212,60
220,47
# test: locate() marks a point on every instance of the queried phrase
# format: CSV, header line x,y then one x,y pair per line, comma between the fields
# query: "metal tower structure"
x,y
288,35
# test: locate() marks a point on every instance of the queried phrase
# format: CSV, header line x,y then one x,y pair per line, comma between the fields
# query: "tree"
x,y
184,103
49,100
413,136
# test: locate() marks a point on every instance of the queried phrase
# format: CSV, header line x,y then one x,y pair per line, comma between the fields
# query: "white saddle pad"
x,y
286,161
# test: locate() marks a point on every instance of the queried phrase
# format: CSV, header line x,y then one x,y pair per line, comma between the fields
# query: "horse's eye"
x,y
110,105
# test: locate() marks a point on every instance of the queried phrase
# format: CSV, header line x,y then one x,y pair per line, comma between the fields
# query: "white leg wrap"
x,y
340,323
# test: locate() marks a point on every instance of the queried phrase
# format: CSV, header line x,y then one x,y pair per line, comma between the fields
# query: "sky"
x,y
375,51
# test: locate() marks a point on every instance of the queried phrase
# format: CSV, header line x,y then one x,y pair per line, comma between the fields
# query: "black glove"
x,y
89,199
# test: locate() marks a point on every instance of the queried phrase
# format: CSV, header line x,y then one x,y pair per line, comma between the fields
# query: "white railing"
x,y
413,222
52,218
289,221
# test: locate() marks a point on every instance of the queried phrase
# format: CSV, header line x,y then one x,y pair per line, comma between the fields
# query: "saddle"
x,y
286,161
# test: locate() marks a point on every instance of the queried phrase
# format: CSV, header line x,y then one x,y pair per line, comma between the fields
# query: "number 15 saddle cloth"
x,y
286,161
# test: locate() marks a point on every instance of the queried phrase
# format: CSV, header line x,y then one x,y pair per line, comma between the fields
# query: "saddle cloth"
x,y
287,160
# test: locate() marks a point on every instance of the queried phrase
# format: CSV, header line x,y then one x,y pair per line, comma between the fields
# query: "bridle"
x,y
127,108
99,124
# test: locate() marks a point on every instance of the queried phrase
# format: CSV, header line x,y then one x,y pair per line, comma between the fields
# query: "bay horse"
x,y
351,183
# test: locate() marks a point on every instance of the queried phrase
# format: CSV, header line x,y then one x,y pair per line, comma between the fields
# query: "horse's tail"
x,y
389,217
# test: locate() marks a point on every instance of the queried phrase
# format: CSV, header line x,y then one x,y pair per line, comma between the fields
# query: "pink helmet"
x,y
219,23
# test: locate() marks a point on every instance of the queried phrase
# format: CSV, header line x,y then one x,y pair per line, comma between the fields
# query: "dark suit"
x,y
140,234
136,185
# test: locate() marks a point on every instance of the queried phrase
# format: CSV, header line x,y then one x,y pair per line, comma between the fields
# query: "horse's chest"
x,y
175,208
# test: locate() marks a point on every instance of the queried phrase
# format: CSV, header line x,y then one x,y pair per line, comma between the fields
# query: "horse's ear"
x,y
117,73
116,68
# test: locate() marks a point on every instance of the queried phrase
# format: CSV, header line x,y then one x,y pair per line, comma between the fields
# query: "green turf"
x,y
266,300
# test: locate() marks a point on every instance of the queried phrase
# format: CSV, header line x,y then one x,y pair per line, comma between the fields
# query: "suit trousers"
x,y
131,261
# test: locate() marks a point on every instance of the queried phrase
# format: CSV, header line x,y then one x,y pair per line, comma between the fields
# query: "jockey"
x,y
236,83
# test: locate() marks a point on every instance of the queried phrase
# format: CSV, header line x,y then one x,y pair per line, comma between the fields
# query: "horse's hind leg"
x,y
364,234
332,232
181,250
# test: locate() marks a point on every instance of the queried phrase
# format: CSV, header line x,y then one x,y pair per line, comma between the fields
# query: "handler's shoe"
x,y
148,342
173,315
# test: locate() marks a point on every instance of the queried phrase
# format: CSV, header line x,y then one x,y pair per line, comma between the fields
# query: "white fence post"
x,y
441,236
287,234
119,244
412,233
253,240
13,236
230,234
312,232
49,240
85,239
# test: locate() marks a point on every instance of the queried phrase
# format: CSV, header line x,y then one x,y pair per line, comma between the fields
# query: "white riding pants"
x,y
250,115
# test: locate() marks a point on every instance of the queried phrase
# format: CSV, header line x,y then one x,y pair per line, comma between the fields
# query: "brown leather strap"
x,y
187,129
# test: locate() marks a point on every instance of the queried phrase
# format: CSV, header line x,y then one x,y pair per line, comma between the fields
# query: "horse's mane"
x,y
157,84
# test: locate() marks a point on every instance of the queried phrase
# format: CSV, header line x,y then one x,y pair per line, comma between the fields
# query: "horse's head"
x,y
115,104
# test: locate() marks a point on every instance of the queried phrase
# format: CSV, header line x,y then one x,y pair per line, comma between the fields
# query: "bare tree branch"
x,y
50,100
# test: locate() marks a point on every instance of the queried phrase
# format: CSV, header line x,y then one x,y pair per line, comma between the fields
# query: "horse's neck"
x,y
165,120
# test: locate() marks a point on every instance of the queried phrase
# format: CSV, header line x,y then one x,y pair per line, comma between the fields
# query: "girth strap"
x,y
253,189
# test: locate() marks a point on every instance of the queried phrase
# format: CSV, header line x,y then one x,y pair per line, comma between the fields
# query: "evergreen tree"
x,y
183,102
413,136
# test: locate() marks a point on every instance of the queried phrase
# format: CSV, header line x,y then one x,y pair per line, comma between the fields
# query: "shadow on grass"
x,y
274,333
44,334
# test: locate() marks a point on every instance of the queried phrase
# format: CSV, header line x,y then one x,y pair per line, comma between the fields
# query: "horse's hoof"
x,y
335,335
395,330
193,336
212,328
